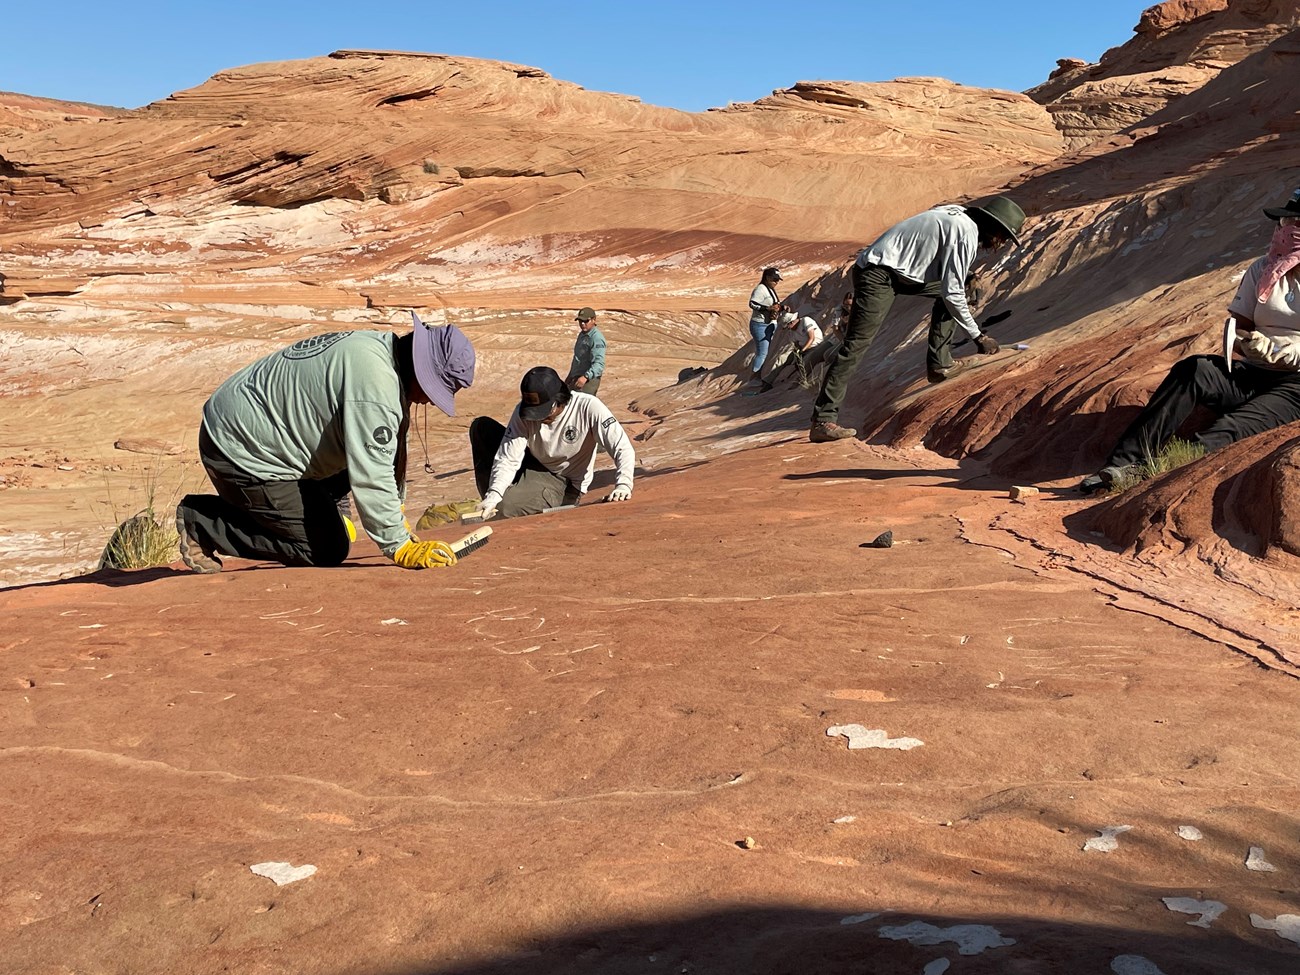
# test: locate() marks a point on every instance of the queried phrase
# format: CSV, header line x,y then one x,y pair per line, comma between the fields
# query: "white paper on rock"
x,y
1106,842
970,939
860,737
1134,965
282,873
1286,925
1255,861
1209,910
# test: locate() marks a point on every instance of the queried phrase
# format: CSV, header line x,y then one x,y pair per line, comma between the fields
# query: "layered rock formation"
x,y
1179,46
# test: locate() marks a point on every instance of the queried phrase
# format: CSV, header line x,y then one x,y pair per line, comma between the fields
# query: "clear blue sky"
x,y
688,55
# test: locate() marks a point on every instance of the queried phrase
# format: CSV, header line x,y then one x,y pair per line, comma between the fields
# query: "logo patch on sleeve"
x,y
383,435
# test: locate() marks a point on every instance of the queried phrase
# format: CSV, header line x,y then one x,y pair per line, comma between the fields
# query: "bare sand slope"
x,y
542,760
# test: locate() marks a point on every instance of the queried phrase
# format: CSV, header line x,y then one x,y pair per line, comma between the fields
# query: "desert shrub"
x,y
1176,453
139,542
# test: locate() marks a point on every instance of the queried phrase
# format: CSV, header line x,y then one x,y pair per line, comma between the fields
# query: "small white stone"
x,y
1190,833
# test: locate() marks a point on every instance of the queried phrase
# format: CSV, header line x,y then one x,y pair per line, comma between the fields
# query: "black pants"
x,y
534,488
874,289
292,522
1247,401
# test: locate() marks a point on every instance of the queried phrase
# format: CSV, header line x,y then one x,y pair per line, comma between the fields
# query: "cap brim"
x,y
435,386
539,411
1277,213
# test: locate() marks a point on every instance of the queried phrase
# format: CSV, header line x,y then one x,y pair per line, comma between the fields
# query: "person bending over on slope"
x,y
928,255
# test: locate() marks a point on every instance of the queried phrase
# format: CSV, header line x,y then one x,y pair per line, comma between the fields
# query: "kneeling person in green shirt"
x,y
285,439
546,455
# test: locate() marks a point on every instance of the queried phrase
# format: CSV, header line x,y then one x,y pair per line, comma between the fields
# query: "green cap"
x,y
586,314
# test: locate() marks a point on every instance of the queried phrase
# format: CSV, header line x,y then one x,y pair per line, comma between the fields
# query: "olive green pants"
x,y
874,289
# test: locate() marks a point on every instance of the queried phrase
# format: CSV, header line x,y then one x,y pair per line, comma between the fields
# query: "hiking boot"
x,y
1107,476
826,431
947,372
193,553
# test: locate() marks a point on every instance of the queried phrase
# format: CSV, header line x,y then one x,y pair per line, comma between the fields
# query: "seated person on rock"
x,y
285,439
803,351
1247,397
546,455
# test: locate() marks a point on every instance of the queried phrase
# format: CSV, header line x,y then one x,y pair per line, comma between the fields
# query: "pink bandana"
x,y
1283,255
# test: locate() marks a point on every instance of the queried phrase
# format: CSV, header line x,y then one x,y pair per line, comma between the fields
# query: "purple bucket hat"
x,y
444,362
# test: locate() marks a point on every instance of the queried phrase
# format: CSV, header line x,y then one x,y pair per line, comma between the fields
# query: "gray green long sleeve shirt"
x,y
936,246
588,355
327,404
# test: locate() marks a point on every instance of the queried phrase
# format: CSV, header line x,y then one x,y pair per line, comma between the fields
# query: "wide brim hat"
x,y
444,362
1291,208
1006,212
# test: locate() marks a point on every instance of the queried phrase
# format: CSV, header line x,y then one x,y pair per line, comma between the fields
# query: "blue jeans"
x,y
762,332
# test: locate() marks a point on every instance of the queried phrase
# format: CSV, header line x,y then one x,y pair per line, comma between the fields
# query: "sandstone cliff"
x,y
1179,46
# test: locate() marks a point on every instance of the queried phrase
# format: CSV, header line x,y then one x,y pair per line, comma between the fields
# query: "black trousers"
x,y
874,289
292,522
534,488
1247,401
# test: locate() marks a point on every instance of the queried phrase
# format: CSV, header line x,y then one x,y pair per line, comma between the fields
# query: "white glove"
x,y
487,508
619,493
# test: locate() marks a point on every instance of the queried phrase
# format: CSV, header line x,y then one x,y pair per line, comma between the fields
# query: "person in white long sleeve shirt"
x,y
929,255
546,455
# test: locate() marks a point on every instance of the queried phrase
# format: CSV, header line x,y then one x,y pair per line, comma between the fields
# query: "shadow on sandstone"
x,y
800,941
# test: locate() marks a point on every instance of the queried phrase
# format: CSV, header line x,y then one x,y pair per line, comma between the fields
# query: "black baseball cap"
x,y
539,391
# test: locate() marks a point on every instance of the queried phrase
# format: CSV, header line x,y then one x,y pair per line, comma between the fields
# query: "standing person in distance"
x,y
588,364
764,306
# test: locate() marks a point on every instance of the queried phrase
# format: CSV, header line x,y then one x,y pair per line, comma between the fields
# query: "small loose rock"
x,y
883,540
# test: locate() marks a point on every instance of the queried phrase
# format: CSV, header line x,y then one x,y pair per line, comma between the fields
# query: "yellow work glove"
x,y
412,554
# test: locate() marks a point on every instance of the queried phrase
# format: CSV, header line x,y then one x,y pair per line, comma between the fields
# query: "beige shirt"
x,y
1276,341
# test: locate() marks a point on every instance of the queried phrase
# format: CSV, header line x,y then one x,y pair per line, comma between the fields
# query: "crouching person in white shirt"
x,y
546,455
